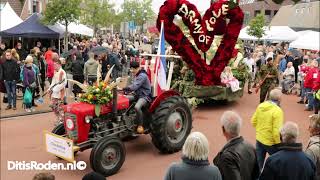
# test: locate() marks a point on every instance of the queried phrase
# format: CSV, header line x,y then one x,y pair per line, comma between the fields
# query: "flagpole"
x,y
155,83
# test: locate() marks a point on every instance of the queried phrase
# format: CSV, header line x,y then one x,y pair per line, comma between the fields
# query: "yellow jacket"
x,y
267,120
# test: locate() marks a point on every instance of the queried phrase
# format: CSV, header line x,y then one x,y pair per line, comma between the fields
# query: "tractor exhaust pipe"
x,y
114,102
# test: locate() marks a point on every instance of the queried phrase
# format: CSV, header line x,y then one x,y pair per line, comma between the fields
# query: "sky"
x,y
202,5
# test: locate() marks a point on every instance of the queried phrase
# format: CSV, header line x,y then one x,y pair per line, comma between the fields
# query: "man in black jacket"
x,y
10,70
237,160
290,162
77,72
22,53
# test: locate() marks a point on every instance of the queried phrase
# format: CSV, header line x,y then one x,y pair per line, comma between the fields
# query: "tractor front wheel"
x,y
171,124
107,156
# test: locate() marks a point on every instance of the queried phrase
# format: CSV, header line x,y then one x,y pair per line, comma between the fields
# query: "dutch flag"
x,y
160,81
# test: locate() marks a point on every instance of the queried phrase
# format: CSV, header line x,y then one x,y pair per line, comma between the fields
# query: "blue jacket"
x,y
141,86
34,68
289,163
283,65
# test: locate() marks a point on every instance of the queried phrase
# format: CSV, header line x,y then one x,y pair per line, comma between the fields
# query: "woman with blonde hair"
x,y
195,164
15,55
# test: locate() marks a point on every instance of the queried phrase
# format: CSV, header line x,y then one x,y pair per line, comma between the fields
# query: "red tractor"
x,y
168,120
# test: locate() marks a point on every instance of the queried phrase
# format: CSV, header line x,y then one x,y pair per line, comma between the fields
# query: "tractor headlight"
x,y
87,119
70,124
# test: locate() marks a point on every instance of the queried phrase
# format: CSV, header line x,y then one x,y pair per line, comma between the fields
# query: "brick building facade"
x,y
24,8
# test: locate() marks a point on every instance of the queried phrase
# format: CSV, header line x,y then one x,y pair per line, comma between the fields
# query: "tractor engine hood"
x,y
85,109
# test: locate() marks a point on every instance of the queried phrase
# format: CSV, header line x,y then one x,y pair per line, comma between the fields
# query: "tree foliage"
x,y
98,13
256,26
63,11
138,11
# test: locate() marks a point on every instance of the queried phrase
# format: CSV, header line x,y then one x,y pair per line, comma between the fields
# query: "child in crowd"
x,y
228,79
57,90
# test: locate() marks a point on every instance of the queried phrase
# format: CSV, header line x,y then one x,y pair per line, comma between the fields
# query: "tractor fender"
x,y
156,102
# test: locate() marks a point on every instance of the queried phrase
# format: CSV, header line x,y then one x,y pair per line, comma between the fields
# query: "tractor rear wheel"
x,y
107,156
171,124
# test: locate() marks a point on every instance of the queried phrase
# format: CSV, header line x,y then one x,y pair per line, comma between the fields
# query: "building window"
x,y
268,12
256,13
34,6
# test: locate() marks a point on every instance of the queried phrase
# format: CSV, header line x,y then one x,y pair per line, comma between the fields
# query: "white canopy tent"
x,y
308,40
280,33
272,33
8,18
73,28
81,29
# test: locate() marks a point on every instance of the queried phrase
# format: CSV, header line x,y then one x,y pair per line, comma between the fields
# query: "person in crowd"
x,y
290,162
39,45
142,88
195,164
104,61
67,67
2,48
237,160
57,89
22,52
267,120
303,69
282,64
313,148
268,76
33,54
309,80
48,54
93,176
43,176
145,64
249,61
316,92
288,56
10,74
50,66
115,60
228,79
43,70
91,69
29,79
296,63
15,55
288,78
2,86
77,72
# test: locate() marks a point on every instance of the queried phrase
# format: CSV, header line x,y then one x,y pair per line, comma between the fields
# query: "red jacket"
x,y
48,55
310,78
50,70
316,83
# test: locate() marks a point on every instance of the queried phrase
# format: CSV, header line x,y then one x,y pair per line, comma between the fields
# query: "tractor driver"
x,y
142,90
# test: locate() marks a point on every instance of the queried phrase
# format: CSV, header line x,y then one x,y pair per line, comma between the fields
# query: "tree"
x,y
63,11
256,26
98,13
138,11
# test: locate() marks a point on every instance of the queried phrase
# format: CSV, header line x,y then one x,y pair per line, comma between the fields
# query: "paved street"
x,y
22,140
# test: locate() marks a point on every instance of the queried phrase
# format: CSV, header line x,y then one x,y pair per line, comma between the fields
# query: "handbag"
x,y
27,97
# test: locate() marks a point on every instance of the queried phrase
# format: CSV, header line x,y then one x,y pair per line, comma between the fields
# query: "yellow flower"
x,y
90,96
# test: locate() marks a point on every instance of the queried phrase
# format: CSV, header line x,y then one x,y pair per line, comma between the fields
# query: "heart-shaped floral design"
x,y
203,31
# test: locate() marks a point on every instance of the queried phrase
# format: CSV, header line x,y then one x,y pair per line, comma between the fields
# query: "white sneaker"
x,y
28,110
33,110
